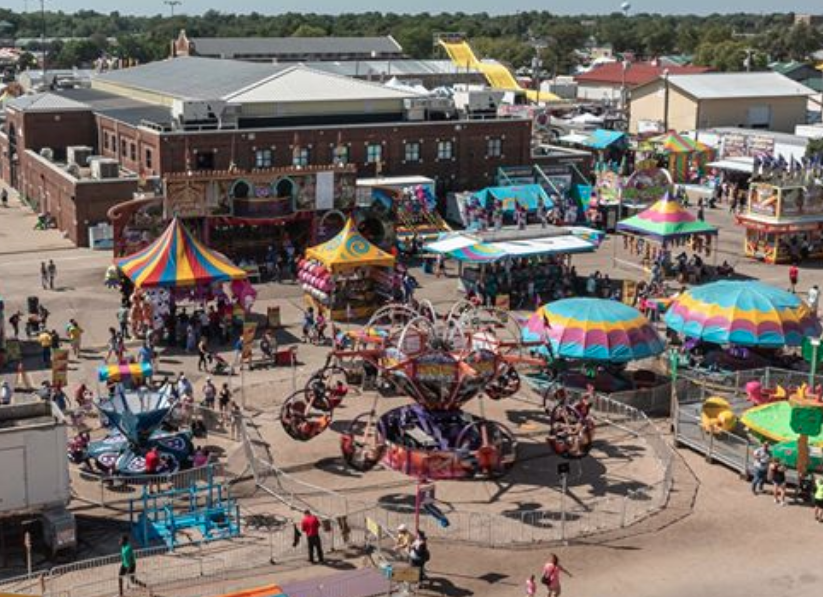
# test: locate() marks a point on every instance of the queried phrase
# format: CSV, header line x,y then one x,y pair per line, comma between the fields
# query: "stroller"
x,y
218,365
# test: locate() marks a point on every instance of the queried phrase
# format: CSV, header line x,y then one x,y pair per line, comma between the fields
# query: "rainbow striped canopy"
x,y
744,313
178,259
676,143
665,220
349,249
593,329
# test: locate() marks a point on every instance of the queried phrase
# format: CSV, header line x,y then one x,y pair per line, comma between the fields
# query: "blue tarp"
x,y
528,196
601,138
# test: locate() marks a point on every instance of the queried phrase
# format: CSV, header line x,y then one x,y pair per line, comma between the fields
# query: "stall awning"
x,y
574,138
451,242
741,164
528,196
601,139
666,220
491,252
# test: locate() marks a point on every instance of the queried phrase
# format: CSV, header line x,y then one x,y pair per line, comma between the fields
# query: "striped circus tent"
x,y
666,220
177,259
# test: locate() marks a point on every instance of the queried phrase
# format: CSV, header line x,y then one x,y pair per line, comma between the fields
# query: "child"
x,y
531,586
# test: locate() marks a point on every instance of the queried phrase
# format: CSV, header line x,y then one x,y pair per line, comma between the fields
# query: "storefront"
x,y
783,223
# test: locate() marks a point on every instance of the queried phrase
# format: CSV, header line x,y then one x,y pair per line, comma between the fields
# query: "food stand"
x,y
783,221
347,275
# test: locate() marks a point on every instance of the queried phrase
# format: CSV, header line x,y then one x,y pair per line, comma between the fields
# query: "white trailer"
x,y
34,462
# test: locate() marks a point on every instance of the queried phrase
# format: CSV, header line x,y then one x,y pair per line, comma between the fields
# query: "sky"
x,y
403,6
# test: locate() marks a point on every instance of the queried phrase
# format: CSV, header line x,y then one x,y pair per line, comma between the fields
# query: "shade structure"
x,y
129,371
677,143
177,259
744,313
349,249
593,329
266,591
665,220
787,453
601,139
478,253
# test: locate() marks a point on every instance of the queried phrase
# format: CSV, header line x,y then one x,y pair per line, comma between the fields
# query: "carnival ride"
x,y
442,363
137,418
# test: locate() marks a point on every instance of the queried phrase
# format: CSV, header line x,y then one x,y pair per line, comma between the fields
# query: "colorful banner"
x,y
60,367
249,330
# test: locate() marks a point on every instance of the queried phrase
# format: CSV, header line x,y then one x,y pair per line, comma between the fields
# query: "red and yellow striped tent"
x,y
177,259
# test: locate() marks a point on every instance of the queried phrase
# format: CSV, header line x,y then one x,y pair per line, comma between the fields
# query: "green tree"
x,y
305,30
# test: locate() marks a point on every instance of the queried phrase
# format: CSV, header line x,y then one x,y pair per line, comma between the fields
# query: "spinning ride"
x,y
136,419
442,363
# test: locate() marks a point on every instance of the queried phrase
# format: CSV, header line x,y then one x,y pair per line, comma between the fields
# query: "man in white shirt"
x,y
814,298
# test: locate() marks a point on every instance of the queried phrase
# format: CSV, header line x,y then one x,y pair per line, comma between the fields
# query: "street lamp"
x,y
666,101
815,342
171,4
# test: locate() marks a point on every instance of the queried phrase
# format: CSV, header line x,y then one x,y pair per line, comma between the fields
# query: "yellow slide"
x,y
498,76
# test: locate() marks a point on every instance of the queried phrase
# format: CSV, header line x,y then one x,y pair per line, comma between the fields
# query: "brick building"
x,y
198,115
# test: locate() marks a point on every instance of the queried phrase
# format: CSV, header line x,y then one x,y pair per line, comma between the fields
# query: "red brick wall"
x,y
75,205
127,136
58,131
470,167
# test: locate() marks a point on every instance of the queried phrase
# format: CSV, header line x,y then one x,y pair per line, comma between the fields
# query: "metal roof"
x,y
118,107
191,77
285,46
46,102
738,85
389,68
302,84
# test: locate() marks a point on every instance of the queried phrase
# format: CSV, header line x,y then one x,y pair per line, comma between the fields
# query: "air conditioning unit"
x,y
48,153
74,170
78,154
104,168
197,110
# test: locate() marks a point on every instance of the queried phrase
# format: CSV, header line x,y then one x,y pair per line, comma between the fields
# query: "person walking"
x,y
6,393
818,499
223,401
777,474
203,354
44,275
75,334
128,563
310,525
531,586
123,319
419,554
794,274
762,457
551,575
14,321
45,340
4,197
814,298
52,273
236,420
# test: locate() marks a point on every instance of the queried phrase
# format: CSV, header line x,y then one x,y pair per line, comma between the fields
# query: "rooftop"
x,y
389,68
302,84
190,77
638,73
285,46
738,85
45,102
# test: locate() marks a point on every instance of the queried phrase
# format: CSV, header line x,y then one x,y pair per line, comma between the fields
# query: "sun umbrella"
x,y
745,313
594,330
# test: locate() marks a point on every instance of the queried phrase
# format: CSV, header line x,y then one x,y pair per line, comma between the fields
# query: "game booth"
x,y
653,235
178,266
347,277
783,221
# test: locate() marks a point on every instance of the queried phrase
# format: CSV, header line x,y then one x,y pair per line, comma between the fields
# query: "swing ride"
x,y
442,363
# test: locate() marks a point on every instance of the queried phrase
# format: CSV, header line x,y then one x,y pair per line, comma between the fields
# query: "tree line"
x,y
723,42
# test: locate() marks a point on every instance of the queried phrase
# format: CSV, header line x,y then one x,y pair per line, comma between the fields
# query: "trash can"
x,y
33,304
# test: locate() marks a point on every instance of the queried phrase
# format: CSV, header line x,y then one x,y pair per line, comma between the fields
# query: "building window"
x,y
114,144
341,155
124,147
445,150
133,151
301,156
494,147
374,153
105,140
204,160
412,152
263,158
149,157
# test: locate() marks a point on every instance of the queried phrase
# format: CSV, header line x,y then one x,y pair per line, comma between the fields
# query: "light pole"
x,y
666,101
815,342
171,4
43,36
